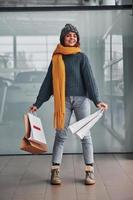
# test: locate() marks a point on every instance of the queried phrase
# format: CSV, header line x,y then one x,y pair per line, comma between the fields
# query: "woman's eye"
x,y
74,36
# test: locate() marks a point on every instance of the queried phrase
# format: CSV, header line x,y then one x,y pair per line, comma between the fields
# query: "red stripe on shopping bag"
x,y
36,127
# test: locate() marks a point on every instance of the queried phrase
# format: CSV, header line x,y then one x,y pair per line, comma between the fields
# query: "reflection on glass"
x,y
107,83
118,117
34,51
114,85
117,79
117,47
6,53
27,41
107,49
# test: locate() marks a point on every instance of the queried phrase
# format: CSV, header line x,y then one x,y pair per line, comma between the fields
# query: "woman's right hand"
x,y
33,108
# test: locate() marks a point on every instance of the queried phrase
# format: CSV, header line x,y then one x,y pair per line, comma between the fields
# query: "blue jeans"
x,y
81,107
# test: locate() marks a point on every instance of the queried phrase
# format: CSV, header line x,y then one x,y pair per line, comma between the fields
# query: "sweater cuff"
x,y
96,102
37,104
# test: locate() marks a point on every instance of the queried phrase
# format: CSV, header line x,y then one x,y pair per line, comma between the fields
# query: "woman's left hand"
x,y
102,106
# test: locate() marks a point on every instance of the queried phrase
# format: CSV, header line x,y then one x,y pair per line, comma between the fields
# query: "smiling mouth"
x,y
72,41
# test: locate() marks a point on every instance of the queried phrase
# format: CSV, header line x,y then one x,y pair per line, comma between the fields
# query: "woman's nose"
x,y
71,37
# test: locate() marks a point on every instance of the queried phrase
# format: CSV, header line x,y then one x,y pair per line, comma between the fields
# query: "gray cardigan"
x,y
79,80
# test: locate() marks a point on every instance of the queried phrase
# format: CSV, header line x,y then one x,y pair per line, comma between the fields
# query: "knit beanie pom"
x,y
68,28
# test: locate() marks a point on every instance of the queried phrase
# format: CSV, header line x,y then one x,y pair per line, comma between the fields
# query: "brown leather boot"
x,y
55,178
89,179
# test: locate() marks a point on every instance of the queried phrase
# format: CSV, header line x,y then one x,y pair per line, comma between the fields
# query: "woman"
x,y
70,80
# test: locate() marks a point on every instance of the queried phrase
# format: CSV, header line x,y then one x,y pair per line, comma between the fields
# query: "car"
x,y
25,87
5,82
23,92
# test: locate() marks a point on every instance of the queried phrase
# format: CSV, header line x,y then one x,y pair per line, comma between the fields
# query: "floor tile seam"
x,y
123,169
21,177
46,188
6,164
103,183
76,189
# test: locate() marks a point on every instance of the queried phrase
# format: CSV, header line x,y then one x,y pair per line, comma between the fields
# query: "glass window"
x,y
114,85
31,52
27,41
6,54
117,47
107,49
117,79
35,51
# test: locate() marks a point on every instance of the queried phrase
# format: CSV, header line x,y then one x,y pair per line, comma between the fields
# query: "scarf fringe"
x,y
59,120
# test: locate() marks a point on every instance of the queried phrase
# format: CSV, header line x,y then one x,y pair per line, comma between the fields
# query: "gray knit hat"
x,y
68,28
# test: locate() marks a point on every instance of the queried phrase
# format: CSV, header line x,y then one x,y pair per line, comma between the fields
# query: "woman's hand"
x,y
102,106
33,108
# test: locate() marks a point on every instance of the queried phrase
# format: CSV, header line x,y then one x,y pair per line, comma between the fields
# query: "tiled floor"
x,y
27,178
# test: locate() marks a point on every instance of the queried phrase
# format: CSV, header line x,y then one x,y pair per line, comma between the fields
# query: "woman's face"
x,y
70,39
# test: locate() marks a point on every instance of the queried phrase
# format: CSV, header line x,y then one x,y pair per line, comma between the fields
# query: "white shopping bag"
x,y
37,132
81,127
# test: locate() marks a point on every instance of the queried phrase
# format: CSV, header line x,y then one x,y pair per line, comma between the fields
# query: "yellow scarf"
x,y
58,74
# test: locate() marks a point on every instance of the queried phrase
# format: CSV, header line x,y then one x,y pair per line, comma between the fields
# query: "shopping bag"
x,y
37,132
31,142
81,127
